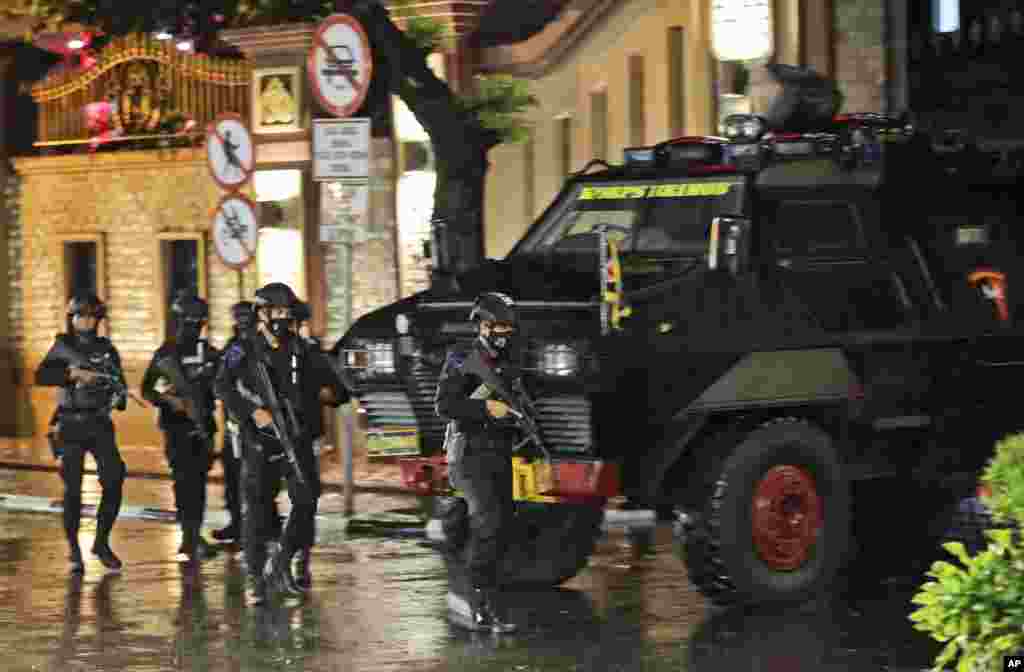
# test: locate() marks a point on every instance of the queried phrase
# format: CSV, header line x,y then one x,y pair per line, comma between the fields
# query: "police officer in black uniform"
x,y
338,395
484,471
298,379
86,401
187,448
243,314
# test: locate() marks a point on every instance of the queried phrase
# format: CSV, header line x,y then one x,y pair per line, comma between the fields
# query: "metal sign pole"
x,y
348,481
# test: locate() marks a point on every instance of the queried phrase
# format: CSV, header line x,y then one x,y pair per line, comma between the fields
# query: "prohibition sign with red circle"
x,y
230,158
340,65
235,240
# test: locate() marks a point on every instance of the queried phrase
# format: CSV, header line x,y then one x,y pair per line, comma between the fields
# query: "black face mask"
x,y
188,333
280,327
499,344
86,335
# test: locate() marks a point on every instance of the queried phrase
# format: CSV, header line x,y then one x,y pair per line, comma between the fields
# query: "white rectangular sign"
x,y
341,148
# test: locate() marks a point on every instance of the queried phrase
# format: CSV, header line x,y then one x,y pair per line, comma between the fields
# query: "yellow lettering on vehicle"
x,y
624,191
691,189
616,192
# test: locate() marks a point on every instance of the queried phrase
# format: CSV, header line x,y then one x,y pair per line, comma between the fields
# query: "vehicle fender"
x,y
643,473
778,378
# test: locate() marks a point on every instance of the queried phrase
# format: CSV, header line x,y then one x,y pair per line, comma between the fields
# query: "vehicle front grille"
x,y
565,423
388,408
422,386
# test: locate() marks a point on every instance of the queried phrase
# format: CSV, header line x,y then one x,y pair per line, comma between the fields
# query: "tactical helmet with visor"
x,y
275,304
495,315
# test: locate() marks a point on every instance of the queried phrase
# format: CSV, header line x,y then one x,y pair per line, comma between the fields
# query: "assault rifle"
x,y
108,375
518,402
282,413
195,408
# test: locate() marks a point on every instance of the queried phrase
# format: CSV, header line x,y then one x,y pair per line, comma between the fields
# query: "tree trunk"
x,y
460,143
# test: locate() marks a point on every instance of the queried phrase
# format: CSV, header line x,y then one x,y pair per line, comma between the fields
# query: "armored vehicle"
x,y
794,340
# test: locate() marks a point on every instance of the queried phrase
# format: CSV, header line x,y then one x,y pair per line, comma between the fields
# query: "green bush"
x,y
1005,478
976,607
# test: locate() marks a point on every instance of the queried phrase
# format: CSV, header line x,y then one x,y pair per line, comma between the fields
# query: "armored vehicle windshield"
x,y
660,226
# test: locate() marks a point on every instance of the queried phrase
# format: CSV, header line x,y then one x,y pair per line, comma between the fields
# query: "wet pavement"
x,y
379,604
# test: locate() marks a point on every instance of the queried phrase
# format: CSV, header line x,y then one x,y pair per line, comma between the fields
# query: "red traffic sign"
x,y
236,230
229,151
340,65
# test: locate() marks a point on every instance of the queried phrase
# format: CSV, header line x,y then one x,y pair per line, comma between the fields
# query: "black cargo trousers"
x,y
232,476
484,475
94,433
264,466
188,455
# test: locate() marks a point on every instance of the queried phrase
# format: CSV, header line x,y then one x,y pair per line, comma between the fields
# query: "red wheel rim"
x,y
786,516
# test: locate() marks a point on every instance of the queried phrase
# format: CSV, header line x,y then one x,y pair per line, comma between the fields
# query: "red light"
x,y
696,140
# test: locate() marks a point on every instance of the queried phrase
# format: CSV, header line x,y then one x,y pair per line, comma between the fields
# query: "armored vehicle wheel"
x,y
776,525
550,543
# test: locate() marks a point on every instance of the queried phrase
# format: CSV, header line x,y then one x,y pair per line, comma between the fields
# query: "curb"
x,y
372,487
213,519
614,519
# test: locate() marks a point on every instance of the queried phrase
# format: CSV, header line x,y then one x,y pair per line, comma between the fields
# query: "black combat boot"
x,y
496,613
304,575
75,558
481,614
102,550
257,591
278,574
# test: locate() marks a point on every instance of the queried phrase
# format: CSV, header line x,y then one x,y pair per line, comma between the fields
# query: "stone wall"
x,y
129,198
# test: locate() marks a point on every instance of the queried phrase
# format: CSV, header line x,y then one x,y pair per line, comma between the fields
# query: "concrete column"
x,y
817,33
8,346
897,39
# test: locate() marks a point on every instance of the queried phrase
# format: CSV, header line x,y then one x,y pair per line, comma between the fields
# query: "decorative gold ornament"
x,y
277,103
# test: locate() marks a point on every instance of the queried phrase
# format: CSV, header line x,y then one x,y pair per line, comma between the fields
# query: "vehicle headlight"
x,y
402,323
375,358
742,127
557,359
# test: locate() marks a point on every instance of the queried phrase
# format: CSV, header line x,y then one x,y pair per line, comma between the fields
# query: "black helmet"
x,y
189,307
494,307
302,312
275,295
244,314
86,303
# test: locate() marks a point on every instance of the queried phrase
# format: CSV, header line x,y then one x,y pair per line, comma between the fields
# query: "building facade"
x,y
610,75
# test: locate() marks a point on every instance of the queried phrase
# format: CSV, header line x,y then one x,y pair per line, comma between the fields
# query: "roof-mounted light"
x,y
800,145
743,127
693,149
640,157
